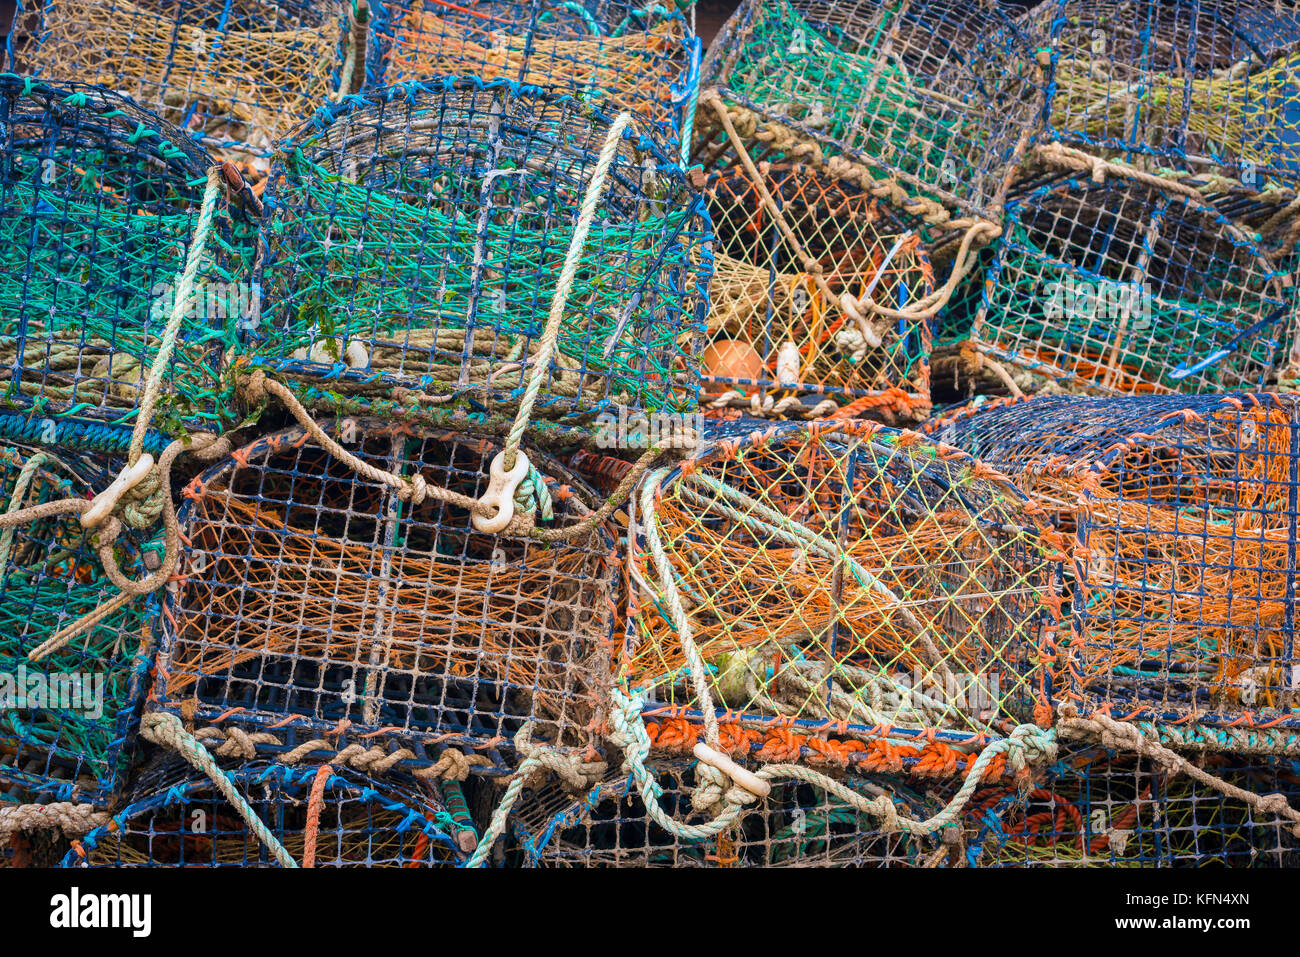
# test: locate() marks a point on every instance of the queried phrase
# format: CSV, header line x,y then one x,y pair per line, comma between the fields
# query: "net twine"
x,y
142,493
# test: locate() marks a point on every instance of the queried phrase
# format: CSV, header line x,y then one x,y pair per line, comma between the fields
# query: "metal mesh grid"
x,y
795,826
1183,515
415,236
98,203
775,322
644,59
1117,287
68,717
939,95
1101,810
234,74
841,577
313,596
176,818
1206,84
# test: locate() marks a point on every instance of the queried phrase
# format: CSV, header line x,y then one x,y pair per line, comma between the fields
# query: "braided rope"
x,y
72,819
183,300
546,346
166,730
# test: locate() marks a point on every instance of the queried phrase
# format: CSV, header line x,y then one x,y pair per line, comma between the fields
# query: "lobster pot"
x,y
937,96
234,74
843,577
100,201
775,323
797,825
177,818
1118,287
1203,85
67,717
633,58
415,238
1183,516
312,597
1098,809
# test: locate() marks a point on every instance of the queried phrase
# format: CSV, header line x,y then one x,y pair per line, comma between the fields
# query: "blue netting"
x,y
176,818
1209,85
796,826
1119,287
1100,809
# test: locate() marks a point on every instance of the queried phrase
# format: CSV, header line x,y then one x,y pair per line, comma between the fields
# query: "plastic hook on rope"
x,y
103,504
501,493
746,779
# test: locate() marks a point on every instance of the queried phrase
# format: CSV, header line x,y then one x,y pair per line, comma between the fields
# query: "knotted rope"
x,y
1123,736
166,730
71,819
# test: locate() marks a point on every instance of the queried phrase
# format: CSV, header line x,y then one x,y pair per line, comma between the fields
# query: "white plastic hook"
x,y
103,504
746,779
501,493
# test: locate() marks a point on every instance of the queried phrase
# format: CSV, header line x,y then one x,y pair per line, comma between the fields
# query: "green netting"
x,y
416,237
99,203
65,718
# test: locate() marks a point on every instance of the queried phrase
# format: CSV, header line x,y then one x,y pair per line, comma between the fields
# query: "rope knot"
x,y
255,388
415,490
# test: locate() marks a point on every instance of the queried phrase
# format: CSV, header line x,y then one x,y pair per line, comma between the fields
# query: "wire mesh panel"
x,y
415,238
1183,512
939,96
844,578
1119,287
644,59
1102,810
775,323
1202,84
67,709
796,826
98,204
311,597
235,74
176,818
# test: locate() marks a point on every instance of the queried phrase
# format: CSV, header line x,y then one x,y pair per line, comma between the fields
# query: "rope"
x,y
1122,736
920,309
166,730
1025,746
183,299
568,273
314,802
21,485
235,742
416,489
72,819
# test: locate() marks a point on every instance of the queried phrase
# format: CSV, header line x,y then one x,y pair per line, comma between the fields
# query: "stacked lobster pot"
x,y
858,156
1149,248
453,272
830,642
235,75
1179,520
112,221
